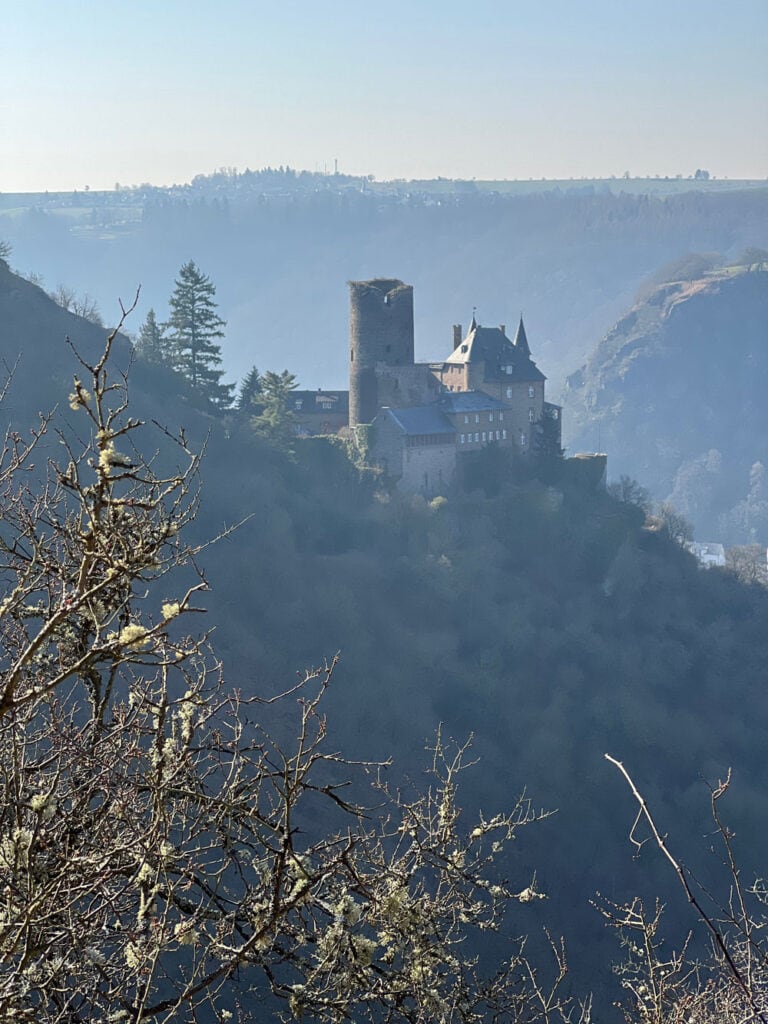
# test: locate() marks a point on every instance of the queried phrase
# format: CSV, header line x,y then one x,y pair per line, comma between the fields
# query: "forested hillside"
x,y
571,258
675,392
548,621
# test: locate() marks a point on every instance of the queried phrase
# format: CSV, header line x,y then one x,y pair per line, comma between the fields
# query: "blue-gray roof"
x,y
421,419
491,346
468,401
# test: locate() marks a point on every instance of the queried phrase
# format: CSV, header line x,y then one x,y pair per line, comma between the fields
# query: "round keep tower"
x,y
380,331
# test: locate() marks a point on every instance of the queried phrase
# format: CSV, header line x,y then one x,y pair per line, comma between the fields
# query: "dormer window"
x,y
464,348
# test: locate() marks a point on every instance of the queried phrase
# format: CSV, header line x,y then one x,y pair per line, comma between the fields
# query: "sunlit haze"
x,y
95,93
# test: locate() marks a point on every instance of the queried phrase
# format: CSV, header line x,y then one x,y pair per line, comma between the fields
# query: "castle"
x,y
426,417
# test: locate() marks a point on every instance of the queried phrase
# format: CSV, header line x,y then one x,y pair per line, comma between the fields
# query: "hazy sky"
x,y
93,93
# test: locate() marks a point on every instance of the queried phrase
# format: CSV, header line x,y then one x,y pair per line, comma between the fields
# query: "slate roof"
x,y
521,339
319,402
491,346
469,401
421,419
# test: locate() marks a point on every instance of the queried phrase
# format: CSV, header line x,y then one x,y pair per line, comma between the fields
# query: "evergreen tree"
x,y
193,327
275,421
249,400
152,344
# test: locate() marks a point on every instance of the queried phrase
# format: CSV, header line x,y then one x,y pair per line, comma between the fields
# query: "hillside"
x,y
675,392
545,620
570,258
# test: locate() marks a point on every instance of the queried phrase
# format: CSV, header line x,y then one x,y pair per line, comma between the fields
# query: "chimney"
x,y
457,332
503,328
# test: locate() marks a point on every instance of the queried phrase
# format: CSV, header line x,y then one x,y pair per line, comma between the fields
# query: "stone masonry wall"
x,y
380,331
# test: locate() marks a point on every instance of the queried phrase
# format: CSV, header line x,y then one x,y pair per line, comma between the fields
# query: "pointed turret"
x,y
473,325
521,341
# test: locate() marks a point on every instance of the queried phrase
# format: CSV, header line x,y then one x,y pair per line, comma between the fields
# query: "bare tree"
x,y
748,562
84,306
159,852
674,987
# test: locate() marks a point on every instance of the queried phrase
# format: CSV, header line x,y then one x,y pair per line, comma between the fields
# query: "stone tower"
x,y
380,331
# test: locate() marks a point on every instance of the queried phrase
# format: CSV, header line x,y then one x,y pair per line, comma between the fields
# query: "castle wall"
x,y
416,468
524,409
380,331
400,387
428,470
388,446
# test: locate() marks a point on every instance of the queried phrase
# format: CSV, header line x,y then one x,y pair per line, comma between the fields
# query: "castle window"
x,y
463,348
509,392
531,391
501,415
477,437
531,415
508,369
504,435
490,417
462,439
299,402
483,437
555,414
477,417
466,419
498,438
523,440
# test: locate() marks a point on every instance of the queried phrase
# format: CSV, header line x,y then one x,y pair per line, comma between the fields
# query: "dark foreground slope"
x,y
675,393
545,620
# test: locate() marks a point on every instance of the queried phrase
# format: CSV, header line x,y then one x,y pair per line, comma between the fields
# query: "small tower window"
x,y
531,391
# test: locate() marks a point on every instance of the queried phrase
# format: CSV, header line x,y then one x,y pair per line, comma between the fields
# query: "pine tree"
x,y
193,327
248,401
275,420
152,344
